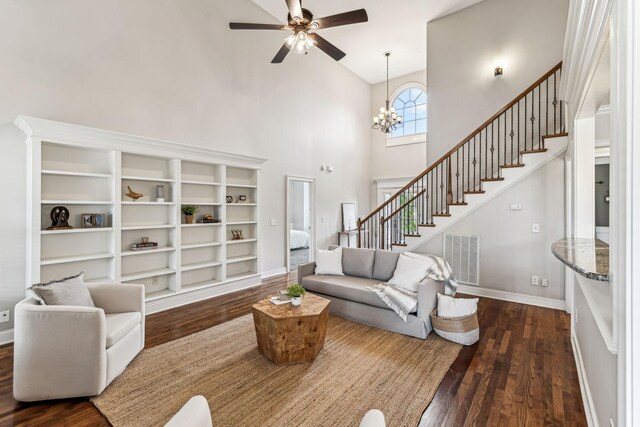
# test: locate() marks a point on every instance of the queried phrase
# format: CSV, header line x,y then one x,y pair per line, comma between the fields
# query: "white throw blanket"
x,y
403,301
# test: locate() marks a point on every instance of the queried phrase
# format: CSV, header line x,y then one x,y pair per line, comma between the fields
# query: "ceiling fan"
x,y
301,22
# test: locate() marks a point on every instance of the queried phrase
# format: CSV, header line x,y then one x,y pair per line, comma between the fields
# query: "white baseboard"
x,y
276,272
553,303
202,294
587,400
6,337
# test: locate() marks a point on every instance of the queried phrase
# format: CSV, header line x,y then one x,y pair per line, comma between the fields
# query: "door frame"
x,y
312,220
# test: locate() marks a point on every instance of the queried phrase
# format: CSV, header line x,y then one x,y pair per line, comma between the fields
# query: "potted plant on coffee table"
x,y
296,292
188,211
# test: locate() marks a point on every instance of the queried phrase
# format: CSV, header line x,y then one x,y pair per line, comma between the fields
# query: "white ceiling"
x,y
396,26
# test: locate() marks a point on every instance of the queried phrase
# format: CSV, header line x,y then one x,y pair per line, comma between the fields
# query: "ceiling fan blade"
x,y
282,53
295,10
353,17
327,47
243,26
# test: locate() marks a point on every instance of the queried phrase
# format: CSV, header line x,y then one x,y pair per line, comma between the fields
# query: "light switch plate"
x,y
545,283
534,280
274,222
515,206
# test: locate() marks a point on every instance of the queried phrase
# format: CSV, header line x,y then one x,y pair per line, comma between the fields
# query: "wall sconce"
x,y
497,72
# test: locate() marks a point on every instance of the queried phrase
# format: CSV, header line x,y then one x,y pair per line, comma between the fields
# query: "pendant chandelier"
x,y
387,120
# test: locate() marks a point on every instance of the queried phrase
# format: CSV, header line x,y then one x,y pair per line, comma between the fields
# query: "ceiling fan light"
x,y
290,41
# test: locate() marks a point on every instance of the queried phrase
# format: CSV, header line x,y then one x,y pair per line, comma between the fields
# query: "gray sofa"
x,y
350,298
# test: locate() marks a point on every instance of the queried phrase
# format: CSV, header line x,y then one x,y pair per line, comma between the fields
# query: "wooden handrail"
x,y
465,140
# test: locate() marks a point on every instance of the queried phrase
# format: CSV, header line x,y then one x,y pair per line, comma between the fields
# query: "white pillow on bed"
x,y
329,262
409,273
456,307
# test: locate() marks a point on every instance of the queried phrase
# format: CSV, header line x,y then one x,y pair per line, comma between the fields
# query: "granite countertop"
x,y
587,257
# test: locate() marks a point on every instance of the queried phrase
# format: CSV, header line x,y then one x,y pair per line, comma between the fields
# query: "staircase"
x,y
521,137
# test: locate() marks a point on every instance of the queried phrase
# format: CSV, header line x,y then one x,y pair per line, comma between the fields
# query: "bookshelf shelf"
x,y
148,251
78,258
146,274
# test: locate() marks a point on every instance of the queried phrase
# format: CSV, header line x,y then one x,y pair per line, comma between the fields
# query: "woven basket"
x,y
463,330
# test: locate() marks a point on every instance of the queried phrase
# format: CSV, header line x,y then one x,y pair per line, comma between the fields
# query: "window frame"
x,y
416,138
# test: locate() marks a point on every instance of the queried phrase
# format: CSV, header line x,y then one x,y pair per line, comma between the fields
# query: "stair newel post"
x,y
382,232
359,239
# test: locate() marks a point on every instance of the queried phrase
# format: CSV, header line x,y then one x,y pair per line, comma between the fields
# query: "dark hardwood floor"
x,y
521,373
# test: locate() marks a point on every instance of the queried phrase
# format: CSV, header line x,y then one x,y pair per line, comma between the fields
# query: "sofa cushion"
x,y
358,262
119,324
384,265
345,287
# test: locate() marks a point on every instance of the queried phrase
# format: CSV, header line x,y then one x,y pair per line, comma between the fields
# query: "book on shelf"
x,y
144,246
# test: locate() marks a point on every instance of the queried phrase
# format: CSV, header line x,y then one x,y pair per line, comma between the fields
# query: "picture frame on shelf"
x,y
92,220
88,220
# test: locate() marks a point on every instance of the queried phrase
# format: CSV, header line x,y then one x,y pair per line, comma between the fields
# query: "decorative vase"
x,y
188,219
296,301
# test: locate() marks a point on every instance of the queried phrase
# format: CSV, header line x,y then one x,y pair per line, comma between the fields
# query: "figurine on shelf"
x,y
236,235
60,218
133,195
242,198
229,199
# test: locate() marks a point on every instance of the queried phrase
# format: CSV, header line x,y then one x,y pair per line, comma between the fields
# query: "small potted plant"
x,y
188,211
296,292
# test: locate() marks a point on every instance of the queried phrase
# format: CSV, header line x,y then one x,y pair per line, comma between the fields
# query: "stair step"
x,y
411,235
458,204
426,225
441,214
398,244
491,179
515,165
474,192
555,135
539,150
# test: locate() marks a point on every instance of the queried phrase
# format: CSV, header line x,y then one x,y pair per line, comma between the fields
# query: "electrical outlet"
x,y
545,283
4,316
155,280
535,228
274,222
534,280
515,206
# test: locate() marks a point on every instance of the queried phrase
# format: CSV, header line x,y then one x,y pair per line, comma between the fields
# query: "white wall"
x,y
172,70
400,161
509,252
524,37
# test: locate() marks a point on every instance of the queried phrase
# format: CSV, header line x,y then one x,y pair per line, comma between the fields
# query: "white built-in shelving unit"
x,y
88,171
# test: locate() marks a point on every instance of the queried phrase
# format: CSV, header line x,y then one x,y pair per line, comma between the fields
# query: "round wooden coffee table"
x,y
288,334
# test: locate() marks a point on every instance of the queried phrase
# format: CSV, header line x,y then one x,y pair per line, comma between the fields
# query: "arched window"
x,y
410,102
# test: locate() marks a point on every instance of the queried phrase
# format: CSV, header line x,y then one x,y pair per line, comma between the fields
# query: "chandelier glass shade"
x,y
388,120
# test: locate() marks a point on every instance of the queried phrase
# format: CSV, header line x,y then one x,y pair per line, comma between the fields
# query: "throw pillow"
x,y
68,291
329,262
456,307
409,273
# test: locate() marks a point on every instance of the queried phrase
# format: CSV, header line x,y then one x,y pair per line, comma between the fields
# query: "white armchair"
x,y
69,351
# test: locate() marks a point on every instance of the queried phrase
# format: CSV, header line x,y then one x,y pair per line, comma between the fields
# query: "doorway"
x,y
300,229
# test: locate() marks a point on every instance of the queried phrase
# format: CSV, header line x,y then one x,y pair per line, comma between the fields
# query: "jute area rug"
x,y
358,369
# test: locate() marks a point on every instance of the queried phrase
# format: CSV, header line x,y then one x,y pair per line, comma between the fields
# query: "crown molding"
x,y
82,136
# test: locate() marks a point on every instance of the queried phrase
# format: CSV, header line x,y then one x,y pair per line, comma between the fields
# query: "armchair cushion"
x,y
69,291
119,324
